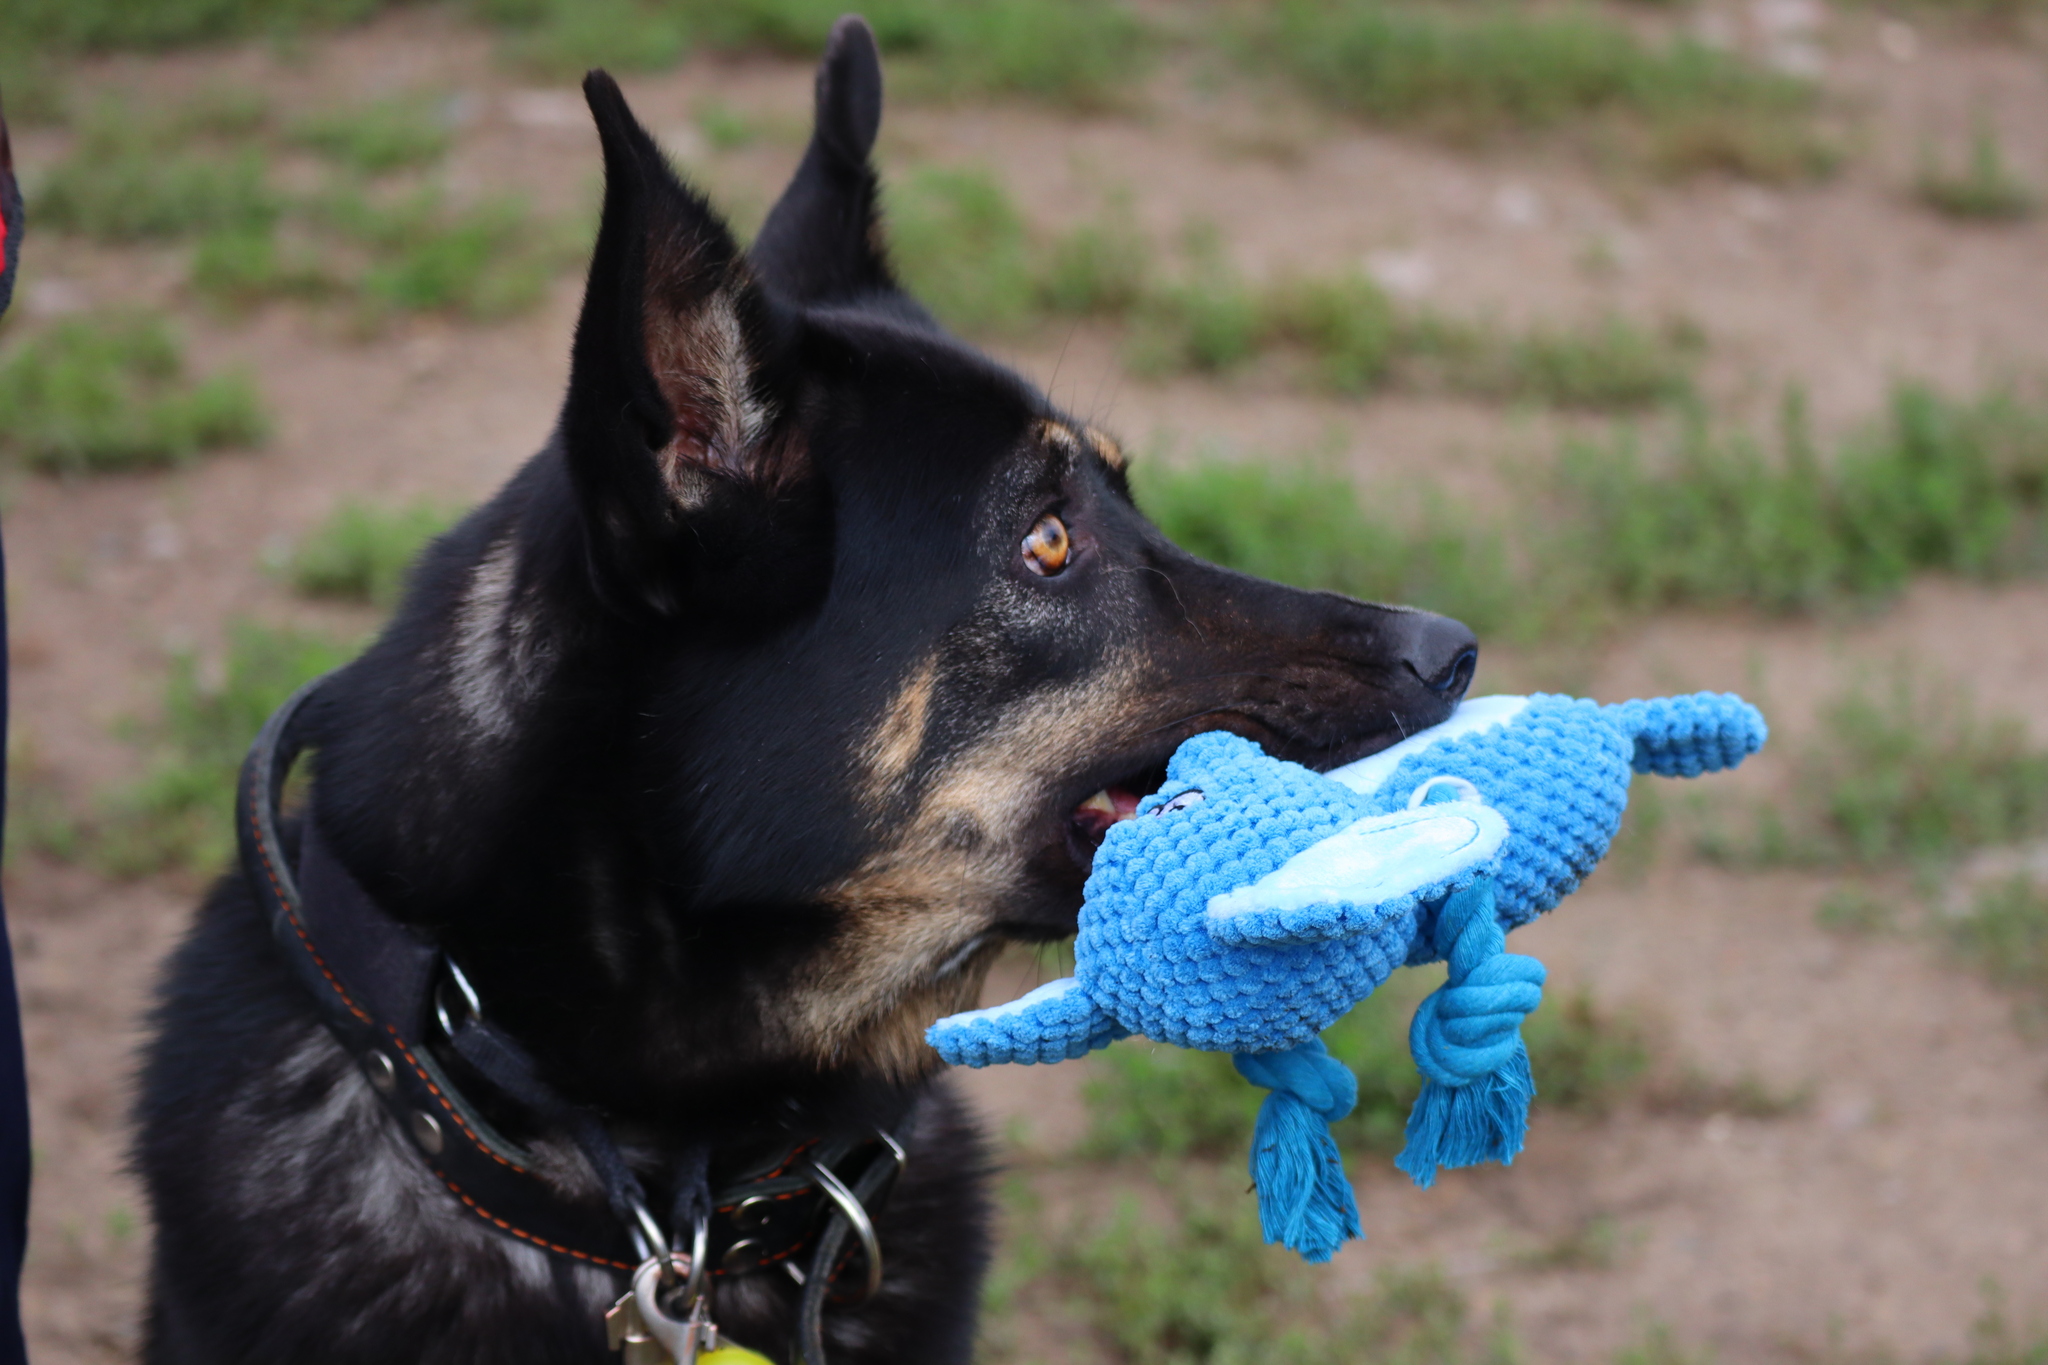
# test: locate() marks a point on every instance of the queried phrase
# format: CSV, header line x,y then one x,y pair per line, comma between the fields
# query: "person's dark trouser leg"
x,y
14,1154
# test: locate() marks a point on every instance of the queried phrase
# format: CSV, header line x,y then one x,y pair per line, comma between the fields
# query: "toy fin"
x,y
1351,882
1051,1024
1687,736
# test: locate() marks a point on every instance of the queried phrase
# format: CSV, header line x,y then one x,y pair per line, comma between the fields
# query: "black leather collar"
x,y
375,982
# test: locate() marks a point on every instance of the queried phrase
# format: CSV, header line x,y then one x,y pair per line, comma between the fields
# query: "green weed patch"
x,y
1904,772
1985,187
1194,1284
111,393
1302,525
198,171
378,137
362,551
1700,519
1070,52
1716,520
2005,935
158,24
1470,75
179,815
133,176
960,245
967,252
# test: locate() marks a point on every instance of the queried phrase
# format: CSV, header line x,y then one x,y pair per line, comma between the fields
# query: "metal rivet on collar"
x,y
426,1131
751,1214
744,1254
382,1072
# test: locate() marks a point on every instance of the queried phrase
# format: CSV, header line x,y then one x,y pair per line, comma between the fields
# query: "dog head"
x,y
819,650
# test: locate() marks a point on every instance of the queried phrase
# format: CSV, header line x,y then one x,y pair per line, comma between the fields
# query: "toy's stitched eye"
x,y
1048,547
1191,797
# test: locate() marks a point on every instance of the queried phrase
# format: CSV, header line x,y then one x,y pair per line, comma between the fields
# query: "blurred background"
x,y
1672,344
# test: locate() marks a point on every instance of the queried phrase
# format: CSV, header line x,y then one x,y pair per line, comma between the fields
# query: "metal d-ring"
x,y
469,998
700,1262
856,1216
647,1238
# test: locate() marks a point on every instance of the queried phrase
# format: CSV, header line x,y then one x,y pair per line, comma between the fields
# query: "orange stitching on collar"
x,y
522,1233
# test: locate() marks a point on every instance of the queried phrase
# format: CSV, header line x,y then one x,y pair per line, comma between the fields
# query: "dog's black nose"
x,y
1442,653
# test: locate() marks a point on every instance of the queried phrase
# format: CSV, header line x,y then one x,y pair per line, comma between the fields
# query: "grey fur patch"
x,y
499,656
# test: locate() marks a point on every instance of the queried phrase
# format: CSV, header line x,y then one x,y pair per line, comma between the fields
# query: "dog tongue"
x,y
1094,816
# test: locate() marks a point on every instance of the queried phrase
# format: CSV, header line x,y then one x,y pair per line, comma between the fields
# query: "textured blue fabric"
x,y
1151,958
1251,903
1558,769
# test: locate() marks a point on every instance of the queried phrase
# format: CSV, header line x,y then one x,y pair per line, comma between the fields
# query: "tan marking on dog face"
x,y
1107,448
1060,436
894,746
958,856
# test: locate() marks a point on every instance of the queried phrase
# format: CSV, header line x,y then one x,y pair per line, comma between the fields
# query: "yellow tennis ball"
x,y
733,1355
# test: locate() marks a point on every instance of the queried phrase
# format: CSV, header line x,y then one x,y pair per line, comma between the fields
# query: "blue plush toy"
x,y
1251,903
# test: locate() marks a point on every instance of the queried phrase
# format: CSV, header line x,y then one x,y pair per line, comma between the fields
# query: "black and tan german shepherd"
x,y
725,748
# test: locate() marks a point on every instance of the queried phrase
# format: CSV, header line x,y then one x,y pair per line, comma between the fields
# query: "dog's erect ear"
x,y
822,241
674,426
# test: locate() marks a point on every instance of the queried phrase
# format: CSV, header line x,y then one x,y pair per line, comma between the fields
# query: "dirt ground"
x,y
1870,1218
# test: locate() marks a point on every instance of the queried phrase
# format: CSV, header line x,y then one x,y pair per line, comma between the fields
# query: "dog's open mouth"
x,y
1093,817
1110,804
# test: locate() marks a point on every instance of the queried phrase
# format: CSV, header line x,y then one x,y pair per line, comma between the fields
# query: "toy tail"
x,y
1305,1202
1467,1041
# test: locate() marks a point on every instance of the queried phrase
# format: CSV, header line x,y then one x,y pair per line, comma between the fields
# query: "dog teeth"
x,y
1100,802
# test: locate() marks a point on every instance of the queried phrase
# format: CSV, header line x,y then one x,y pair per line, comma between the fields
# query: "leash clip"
x,y
648,1332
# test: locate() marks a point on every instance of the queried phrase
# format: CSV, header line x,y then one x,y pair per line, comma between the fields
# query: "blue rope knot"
x,y
1305,1202
1467,1042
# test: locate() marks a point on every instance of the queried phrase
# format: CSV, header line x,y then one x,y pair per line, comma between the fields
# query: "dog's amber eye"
x,y
1047,547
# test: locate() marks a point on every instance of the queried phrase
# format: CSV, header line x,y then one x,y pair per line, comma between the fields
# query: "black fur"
x,y
724,748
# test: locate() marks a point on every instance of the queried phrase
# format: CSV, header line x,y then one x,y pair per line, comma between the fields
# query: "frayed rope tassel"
x,y
1305,1202
1467,1042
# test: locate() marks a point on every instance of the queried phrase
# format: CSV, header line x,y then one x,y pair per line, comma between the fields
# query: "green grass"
x,y
960,245
1857,910
1716,520
1301,524
1194,1284
111,392
362,551
390,254
1473,74
1631,524
564,38
2005,935
378,137
1101,268
179,814
37,91
198,171
1996,1340
727,129
967,251
1906,771
138,174
1611,365
1076,53
1985,188
240,269
159,24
